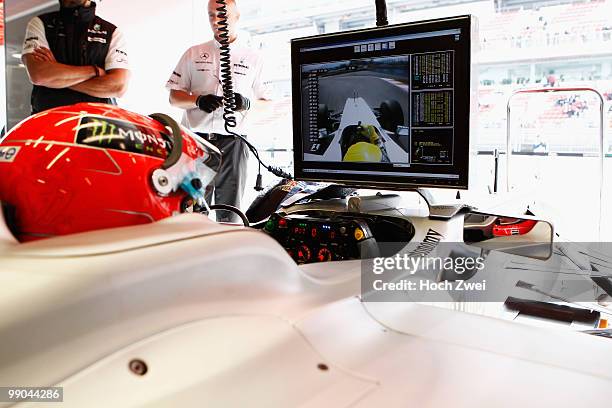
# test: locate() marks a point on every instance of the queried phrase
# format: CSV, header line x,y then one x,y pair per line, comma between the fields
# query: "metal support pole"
x,y
601,136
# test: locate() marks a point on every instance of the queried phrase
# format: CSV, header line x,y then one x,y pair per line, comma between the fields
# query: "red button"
x,y
313,232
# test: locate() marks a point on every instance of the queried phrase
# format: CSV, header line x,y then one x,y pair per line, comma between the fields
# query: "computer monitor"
x,y
387,107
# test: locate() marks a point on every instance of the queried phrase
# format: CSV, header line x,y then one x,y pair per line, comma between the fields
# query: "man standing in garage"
x,y
73,56
195,86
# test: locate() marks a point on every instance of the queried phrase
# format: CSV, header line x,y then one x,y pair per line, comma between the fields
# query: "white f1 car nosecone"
x,y
189,313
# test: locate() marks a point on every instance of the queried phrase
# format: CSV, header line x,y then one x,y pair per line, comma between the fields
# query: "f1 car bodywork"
x,y
186,312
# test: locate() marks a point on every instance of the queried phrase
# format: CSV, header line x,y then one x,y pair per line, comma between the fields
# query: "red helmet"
x,y
93,166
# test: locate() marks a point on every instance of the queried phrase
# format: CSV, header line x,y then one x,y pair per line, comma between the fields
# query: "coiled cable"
x,y
229,99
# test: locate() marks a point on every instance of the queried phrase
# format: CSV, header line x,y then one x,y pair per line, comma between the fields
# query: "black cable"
x,y
381,13
229,99
231,208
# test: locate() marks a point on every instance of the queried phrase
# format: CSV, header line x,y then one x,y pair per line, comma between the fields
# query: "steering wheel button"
x,y
270,225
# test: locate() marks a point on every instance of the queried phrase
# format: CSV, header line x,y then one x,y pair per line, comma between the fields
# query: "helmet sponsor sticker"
x,y
8,153
113,134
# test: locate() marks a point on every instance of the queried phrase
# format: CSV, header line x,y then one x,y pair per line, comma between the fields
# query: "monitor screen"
x,y
384,107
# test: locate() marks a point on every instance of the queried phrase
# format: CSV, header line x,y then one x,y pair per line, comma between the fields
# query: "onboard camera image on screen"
x,y
379,110
361,110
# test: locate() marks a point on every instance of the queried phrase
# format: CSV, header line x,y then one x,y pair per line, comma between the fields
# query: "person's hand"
x,y
43,54
209,103
241,102
101,71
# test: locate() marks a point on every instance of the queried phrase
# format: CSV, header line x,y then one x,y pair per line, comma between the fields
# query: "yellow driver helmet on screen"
x,y
363,152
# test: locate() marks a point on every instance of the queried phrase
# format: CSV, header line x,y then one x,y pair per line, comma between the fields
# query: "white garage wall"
x,y
158,32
